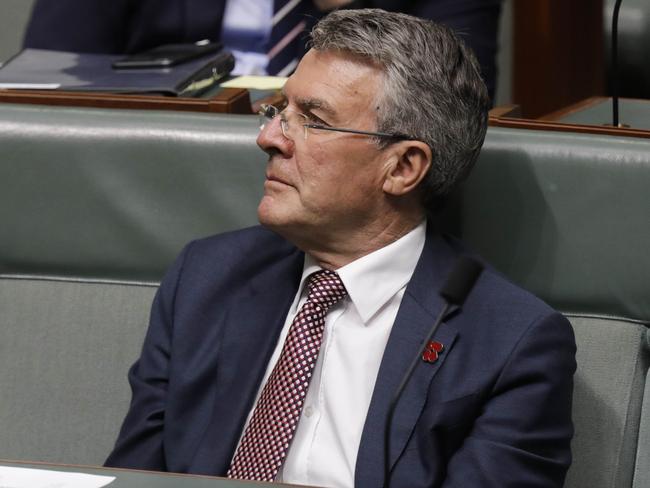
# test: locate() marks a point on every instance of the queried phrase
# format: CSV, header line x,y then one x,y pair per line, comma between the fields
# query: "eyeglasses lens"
x,y
290,122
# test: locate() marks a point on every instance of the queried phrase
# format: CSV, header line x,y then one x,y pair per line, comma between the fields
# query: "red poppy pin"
x,y
430,353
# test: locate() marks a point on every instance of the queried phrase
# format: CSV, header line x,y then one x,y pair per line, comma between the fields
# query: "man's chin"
x,y
269,216
279,222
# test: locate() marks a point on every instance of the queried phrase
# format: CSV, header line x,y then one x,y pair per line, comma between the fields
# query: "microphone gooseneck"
x,y
458,284
614,68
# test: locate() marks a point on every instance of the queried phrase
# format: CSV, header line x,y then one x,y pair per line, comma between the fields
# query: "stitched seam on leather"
x,y
628,433
67,279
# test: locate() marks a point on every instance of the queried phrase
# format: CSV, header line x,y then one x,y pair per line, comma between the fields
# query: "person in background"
x,y
266,36
273,352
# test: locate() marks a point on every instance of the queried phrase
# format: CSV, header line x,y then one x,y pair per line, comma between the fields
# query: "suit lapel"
x,y
417,313
249,338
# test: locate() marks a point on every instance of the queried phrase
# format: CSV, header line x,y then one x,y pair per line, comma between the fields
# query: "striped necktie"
x,y
288,25
267,437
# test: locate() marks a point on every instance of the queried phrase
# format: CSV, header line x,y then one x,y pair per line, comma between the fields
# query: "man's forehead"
x,y
331,81
310,97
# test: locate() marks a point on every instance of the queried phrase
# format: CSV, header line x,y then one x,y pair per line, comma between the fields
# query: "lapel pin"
x,y
430,353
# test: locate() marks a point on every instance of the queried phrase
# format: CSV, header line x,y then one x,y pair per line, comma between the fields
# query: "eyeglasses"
x,y
295,125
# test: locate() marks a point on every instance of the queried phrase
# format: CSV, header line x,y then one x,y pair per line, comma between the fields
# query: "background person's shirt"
x,y
246,32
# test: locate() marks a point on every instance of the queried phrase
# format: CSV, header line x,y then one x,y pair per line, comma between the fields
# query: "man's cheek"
x,y
321,154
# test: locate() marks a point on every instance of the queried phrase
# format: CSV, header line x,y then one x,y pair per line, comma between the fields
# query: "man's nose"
x,y
272,140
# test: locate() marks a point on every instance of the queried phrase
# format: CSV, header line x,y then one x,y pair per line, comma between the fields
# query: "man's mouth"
x,y
277,179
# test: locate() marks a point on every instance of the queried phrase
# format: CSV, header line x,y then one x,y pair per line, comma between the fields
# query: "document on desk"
x,y
42,478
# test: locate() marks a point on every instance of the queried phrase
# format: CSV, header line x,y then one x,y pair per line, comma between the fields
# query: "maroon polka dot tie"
x,y
267,438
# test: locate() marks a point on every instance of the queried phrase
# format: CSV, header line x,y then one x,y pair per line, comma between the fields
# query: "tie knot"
x,y
325,288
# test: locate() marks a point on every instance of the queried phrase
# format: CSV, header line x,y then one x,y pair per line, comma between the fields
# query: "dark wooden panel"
x,y
558,55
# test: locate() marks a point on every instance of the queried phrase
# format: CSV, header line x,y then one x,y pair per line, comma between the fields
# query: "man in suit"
x,y
253,30
273,352
131,26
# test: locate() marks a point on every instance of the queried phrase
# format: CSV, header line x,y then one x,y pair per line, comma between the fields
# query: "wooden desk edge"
x,y
228,100
571,109
513,111
533,124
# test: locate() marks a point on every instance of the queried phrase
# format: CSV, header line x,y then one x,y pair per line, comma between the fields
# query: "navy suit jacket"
x,y
493,410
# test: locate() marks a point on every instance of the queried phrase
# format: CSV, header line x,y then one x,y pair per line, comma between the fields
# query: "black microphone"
x,y
461,280
614,68
459,283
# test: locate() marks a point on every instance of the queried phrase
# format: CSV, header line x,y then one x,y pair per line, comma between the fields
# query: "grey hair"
x,y
432,91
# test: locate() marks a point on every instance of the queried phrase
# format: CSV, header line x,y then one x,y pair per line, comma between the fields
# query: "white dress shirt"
x,y
324,448
246,31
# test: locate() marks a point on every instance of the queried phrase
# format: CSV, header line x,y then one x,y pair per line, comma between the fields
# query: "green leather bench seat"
x,y
65,349
567,216
94,205
115,194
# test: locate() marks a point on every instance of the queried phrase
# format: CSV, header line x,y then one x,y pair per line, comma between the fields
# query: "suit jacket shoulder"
x,y
240,255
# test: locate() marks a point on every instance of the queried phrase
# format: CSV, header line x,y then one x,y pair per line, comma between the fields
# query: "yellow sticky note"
x,y
256,82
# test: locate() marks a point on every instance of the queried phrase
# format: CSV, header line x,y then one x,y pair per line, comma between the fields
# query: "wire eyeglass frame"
x,y
269,112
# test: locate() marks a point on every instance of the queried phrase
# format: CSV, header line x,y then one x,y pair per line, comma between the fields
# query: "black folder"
x,y
60,70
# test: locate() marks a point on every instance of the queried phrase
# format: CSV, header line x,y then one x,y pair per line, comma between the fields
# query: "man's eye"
x,y
315,120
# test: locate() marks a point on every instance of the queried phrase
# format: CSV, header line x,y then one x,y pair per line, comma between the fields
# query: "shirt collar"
x,y
372,280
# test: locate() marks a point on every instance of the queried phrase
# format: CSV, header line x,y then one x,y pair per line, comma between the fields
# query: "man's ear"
x,y
408,163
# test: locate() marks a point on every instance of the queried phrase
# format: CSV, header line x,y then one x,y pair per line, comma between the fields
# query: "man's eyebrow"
x,y
308,104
